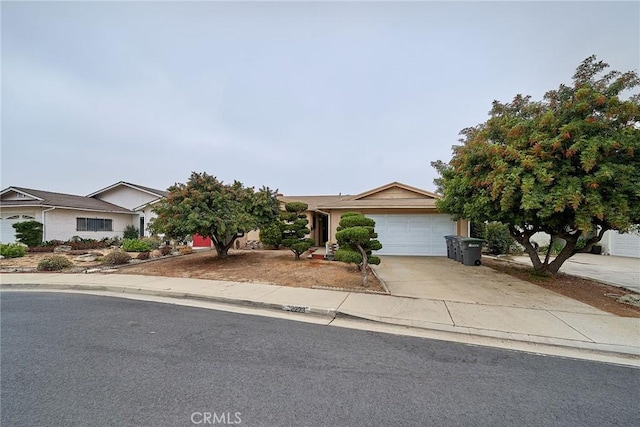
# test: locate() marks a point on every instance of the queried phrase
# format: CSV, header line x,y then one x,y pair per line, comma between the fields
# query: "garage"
x,y
627,244
413,234
7,232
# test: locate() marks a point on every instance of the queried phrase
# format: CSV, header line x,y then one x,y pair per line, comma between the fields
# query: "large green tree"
x,y
208,207
356,238
568,165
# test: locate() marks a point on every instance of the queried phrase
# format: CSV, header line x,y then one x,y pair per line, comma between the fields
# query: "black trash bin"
x,y
471,250
450,251
457,249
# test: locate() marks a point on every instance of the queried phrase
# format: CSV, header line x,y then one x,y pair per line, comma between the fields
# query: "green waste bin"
x,y
471,250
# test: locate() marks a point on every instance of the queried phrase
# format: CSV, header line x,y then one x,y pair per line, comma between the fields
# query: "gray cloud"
x,y
311,98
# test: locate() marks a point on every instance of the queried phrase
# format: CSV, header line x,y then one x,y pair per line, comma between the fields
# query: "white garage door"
x,y
413,234
625,244
7,232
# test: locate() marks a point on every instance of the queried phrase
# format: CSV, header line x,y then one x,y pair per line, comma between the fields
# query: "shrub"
x,y
29,232
165,250
143,255
153,241
54,263
477,230
116,258
271,235
135,245
185,250
130,232
498,238
12,250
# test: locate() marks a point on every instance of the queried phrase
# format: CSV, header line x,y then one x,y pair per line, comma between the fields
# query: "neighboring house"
x,y
407,221
103,214
134,197
621,244
612,242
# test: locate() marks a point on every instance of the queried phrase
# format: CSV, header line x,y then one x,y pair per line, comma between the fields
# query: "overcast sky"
x,y
309,98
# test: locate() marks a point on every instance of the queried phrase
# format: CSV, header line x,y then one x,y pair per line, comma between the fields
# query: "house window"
x,y
94,224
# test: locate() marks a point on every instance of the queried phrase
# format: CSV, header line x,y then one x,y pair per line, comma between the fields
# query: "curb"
x,y
499,339
493,338
315,311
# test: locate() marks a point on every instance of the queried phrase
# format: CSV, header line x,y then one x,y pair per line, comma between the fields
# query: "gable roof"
x,y
407,197
312,201
395,184
48,199
149,190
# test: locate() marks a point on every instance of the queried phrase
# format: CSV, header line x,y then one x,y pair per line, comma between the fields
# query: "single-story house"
x,y
102,214
407,221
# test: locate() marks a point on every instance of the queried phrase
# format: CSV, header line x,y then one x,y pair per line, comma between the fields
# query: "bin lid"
x,y
471,240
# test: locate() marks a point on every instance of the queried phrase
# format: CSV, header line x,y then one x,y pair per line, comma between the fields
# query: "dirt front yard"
x,y
280,268
277,267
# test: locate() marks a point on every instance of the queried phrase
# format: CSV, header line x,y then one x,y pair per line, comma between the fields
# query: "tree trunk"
x,y
364,267
223,246
567,252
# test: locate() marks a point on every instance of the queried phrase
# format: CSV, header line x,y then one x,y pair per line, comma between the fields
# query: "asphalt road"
x,y
78,360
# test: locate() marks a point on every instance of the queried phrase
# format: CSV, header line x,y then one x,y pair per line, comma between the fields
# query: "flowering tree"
x,y
208,207
568,166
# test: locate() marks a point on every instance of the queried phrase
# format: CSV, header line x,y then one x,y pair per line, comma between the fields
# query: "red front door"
x,y
201,242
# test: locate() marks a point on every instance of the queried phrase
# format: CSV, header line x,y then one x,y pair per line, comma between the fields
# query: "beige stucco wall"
x,y
392,193
60,224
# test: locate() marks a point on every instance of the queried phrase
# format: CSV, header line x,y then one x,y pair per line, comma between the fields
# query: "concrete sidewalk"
x,y
548,325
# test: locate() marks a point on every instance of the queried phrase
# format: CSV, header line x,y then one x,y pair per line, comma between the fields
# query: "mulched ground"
x,y
590,292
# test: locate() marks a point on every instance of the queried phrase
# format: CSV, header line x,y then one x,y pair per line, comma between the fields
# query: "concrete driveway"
x,y
440,278
618,271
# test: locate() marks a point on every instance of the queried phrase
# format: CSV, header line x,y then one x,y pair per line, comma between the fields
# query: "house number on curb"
x,y
296,309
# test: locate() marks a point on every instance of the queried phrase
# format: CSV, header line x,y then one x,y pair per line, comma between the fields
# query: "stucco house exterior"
x,y
407,221
102,214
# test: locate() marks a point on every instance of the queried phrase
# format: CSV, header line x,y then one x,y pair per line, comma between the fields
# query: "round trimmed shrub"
x,y
165,250
54,263
143,255
116,258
